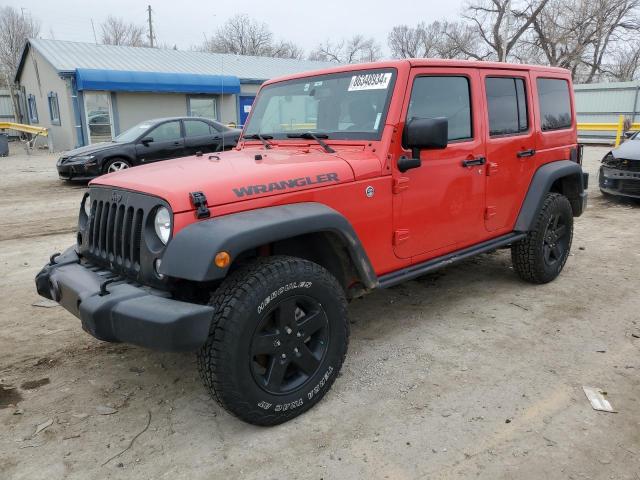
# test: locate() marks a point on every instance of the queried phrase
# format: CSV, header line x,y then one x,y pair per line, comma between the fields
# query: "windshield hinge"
x,y
199,202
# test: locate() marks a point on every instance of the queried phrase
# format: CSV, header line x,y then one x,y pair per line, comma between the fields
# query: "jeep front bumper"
x,y
121,312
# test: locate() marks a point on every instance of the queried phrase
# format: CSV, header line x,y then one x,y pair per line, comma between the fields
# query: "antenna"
x,y
93,27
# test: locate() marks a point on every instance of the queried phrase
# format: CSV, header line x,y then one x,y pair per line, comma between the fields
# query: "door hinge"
x,y
490,212
400,236
400,184
492,168
199,202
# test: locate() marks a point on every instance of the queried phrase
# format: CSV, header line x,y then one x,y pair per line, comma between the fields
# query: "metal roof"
x,y
66,57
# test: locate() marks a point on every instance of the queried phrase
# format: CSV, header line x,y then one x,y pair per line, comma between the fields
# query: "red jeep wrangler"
x,y
345,180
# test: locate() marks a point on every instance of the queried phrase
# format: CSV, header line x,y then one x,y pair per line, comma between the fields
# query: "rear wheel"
x,y
116,164
540,257
278,339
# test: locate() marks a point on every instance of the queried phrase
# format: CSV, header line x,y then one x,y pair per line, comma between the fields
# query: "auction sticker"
x,y
370,81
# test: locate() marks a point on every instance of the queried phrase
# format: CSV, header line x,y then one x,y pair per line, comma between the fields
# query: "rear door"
x,y
510,145
438,206
167,143
200,136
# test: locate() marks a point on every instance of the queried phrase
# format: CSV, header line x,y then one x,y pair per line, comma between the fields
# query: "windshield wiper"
x,y
262,138
317,137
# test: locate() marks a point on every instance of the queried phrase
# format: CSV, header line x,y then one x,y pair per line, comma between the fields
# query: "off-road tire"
x,y
256,295
530,256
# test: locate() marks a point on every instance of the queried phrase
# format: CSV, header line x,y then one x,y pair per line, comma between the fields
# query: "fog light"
x,y
222,260
156,267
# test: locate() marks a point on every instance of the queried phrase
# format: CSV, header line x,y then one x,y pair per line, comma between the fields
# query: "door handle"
x,y
526,153
474,162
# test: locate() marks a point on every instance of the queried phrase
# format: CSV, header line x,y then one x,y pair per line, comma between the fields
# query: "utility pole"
x,y
150,26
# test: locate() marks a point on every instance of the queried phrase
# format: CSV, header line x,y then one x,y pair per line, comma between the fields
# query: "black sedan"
x,y
620,169
149,141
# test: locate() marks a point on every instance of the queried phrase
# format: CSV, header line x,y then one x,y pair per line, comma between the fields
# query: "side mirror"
x,y
146,141
421,133
629,134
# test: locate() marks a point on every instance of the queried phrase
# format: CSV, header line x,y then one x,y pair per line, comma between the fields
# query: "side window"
x,y
555,106
54,108
195,128
166,132
507,104
448,97
33,109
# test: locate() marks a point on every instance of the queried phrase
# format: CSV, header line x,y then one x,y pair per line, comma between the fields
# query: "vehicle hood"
x,y
89,149
232,176
629,150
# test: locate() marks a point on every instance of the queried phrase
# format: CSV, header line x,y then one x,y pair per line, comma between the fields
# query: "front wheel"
x,y
540,257
116,164
278,339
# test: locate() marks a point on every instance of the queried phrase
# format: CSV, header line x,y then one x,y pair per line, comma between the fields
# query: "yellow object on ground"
x,y
20,127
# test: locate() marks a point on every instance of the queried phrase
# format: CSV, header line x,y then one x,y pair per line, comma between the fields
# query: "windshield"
x,y
133,133
346,105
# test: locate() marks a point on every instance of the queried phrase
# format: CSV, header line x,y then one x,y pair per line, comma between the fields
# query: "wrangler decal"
x,y
285,184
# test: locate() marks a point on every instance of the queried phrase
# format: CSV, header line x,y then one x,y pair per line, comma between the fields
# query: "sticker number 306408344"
x,y
370,81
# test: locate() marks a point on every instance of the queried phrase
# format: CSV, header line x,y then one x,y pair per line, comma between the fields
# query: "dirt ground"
x,y
467,373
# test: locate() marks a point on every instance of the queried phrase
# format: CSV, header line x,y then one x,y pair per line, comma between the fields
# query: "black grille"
x,y
119,235
631,187
115,233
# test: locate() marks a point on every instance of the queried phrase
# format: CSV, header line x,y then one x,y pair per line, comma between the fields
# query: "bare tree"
x,y
116,31
436,39
15,29
285,49
624,65
357,49
407,42
501,23
614,20
243,35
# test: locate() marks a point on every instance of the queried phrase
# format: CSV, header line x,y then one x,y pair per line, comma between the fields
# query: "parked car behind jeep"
x,y
345,180
149,141
620,169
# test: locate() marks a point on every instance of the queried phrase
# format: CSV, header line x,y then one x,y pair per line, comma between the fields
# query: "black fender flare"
x,y
541,184
190,254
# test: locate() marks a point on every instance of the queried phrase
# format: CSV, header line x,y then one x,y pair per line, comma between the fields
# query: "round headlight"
x,y
162,224
87,206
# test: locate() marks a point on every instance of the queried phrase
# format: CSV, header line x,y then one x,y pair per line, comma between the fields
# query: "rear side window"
x,y
448,97
507,103
555,105
196,128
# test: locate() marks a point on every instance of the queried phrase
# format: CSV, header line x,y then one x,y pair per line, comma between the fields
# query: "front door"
x,y
510,145
438,206
166,142
98,115
245,107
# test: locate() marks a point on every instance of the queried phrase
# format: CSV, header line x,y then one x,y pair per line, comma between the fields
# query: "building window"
x,y
447,97
203,107
33,109
54,108
507,104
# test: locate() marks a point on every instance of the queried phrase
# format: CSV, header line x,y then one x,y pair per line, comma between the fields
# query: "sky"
x,y
186,22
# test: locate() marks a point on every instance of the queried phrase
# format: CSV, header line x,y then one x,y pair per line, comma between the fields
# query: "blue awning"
x,y
131,81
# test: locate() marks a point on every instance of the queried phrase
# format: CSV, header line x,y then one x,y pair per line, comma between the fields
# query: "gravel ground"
x,y
468,372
